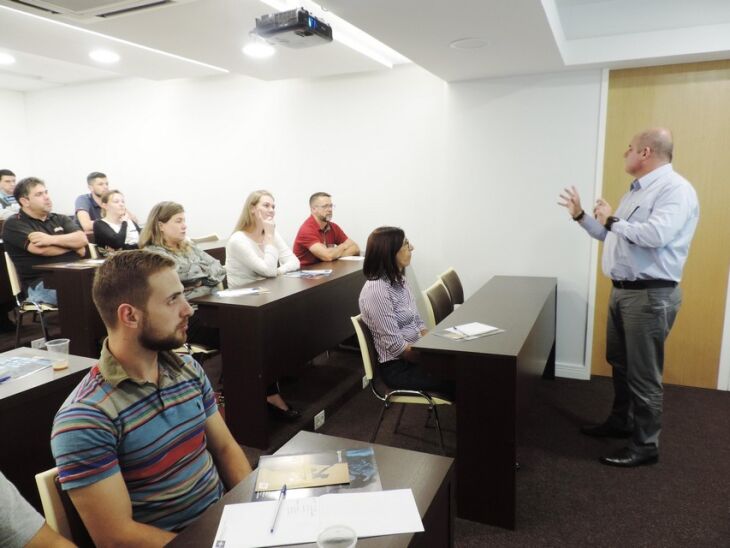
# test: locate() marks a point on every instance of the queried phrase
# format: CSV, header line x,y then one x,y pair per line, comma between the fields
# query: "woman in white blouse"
x,y
255,250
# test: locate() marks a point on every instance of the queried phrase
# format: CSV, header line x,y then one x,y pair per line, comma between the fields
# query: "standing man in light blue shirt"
x,y
646,242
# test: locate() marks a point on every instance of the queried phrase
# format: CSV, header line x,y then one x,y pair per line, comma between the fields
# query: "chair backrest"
x,y
453,284
53,507
367,346
438,304
207,238
59,511
12,275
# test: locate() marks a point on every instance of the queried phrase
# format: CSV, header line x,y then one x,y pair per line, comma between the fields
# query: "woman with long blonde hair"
x,y
255,250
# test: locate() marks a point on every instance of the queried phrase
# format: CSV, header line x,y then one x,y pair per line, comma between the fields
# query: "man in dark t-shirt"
x,y
36,236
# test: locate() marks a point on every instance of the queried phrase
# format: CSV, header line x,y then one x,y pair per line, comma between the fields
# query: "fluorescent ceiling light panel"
x,y
345,33
113,39
6,58
104,56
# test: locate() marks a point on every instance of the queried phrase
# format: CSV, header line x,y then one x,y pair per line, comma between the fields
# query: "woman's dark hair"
x,y
383,245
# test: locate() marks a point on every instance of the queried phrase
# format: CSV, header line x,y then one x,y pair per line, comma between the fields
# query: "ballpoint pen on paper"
x,y
282,496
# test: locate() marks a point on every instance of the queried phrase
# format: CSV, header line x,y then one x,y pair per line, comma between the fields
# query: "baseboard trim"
x,y
572,371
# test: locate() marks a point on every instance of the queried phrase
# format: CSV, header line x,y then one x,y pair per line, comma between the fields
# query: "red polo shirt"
x,y
310,234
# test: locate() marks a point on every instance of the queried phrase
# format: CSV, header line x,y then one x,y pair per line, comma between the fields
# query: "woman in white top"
x,y
115,230
255,250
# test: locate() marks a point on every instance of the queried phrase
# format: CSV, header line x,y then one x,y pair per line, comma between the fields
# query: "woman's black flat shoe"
x,y
289,415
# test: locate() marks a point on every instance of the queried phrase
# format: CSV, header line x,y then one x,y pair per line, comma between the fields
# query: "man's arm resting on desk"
x,y
106,511
324,253
47,537
230,460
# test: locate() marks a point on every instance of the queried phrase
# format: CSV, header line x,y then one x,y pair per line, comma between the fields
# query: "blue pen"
x,y
282,496
3,379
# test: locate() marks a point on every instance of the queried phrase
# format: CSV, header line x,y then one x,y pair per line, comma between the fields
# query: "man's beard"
x,y
160,344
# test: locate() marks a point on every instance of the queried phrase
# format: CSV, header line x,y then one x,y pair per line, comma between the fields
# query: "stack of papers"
x,y
352,258
242,291
468,331
309,273
301,520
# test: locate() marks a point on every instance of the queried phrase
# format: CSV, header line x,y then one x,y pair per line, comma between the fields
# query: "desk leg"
x,y
243,377
486,437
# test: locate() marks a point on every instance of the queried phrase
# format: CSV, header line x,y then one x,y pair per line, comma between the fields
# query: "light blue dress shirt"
x,y
657,219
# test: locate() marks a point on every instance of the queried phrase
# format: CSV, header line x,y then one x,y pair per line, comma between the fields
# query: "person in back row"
x,y
8,204
37,236
389,310
319,239
115,230
140,445
88,206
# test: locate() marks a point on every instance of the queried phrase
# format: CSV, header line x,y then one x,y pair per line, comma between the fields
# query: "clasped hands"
x,y
571,201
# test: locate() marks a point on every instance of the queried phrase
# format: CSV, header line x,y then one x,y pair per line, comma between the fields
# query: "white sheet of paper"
x,y
475,328
352,258
301,520
238,292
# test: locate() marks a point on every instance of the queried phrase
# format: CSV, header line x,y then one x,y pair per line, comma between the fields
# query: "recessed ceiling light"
x,y
258,49
468,43
6,58
104,56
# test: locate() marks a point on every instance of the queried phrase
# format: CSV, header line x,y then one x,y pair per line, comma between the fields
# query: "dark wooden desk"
x,y
77,314
264,337
429,476
493,378
27,408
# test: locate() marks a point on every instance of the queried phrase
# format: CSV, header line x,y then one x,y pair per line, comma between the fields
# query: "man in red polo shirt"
x,y
319,239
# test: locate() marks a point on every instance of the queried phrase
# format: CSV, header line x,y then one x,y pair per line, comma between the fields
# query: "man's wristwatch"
x,y
579,216
609,222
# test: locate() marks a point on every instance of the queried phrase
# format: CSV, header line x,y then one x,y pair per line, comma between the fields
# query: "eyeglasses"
x,y
325,206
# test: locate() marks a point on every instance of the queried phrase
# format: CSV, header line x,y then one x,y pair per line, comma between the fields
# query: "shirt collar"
x,y
169,364
649,178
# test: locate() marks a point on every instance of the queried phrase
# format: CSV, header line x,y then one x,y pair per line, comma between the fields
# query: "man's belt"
x,y
643,284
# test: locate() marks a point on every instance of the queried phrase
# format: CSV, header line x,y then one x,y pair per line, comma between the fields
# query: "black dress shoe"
x,y
605,430
626,458
289,415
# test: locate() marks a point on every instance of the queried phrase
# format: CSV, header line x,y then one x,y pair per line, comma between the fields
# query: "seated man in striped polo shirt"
x,y
139,444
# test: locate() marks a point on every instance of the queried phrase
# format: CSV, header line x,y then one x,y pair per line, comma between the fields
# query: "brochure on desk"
x,y
17,367
362,473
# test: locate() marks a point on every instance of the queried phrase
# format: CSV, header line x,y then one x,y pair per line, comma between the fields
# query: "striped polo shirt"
x,y
154,435
390,312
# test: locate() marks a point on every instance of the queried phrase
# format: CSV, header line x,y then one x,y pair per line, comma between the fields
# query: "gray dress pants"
x,y
639,321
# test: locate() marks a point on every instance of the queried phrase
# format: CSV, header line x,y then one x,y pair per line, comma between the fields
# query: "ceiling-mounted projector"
x,y
294,29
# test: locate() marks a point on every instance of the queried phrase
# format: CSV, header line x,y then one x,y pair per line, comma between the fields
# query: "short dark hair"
x,y
25,186
6,173
382,247
124,279
316,195
94,175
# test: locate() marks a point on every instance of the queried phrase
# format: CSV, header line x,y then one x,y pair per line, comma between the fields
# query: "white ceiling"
x,y
204,37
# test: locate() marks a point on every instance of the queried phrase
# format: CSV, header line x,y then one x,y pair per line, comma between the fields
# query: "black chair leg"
x,y
400,416
438,427
377,426
18,321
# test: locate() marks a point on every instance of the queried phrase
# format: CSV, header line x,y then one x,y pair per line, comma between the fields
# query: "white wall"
x,y
471,170
13,132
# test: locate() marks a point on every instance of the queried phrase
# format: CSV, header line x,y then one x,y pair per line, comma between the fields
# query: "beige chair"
x,y
207,238
195,350
23,306
58,509
438,304
93,251
453,285
404,397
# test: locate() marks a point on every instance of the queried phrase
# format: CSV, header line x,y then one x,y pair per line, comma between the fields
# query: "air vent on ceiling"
x,y
92,9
